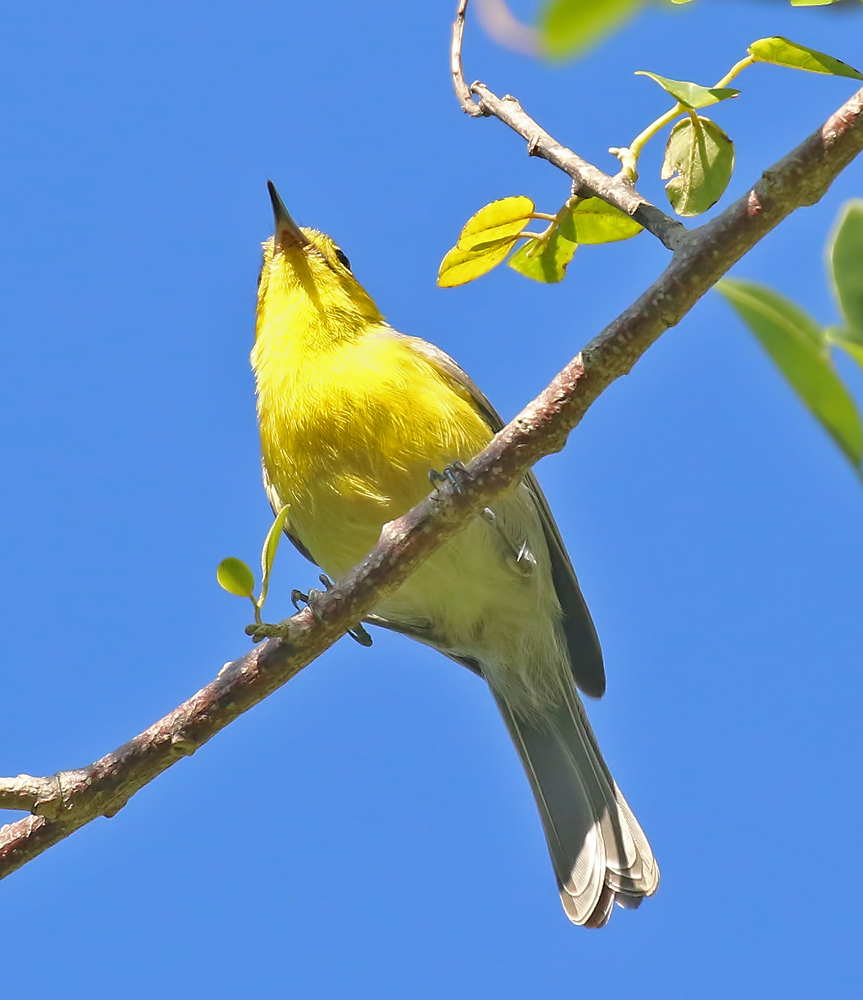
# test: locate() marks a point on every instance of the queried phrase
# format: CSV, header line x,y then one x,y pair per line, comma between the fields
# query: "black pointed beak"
x,y
288,233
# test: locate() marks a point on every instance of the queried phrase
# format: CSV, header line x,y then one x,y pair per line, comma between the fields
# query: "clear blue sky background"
x,y
368,831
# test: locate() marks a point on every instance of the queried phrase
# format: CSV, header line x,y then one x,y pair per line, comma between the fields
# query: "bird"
x,y
353,418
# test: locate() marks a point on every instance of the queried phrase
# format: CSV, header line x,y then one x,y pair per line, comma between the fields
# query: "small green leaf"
x,y
811,3
236,577
595,221
845,262
691,95
804,363
461,266
495,222
546,261
699,159
568,27
783,52
271,545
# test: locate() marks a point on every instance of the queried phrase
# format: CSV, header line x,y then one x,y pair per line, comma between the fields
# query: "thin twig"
x,y
67,801
462,90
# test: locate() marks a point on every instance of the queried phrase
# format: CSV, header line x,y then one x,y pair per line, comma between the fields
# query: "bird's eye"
x,y
343,258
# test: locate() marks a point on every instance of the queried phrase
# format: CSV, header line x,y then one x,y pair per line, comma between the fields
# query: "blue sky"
x,y
367,832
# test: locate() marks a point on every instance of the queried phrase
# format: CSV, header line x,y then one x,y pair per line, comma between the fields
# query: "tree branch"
x,y
587,180
63,803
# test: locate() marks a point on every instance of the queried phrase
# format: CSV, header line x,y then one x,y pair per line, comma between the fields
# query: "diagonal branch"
x,y
64,802
587,180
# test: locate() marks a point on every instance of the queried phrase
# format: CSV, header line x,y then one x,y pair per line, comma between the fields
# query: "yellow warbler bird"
x,y
353,416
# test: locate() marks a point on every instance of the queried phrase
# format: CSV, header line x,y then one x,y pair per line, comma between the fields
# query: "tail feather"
x,y
599,852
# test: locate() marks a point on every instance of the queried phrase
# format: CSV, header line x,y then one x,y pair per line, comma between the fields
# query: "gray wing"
x,y
585,655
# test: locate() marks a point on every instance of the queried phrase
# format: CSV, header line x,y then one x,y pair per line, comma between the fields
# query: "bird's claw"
x,y
310,600
359,634
455,474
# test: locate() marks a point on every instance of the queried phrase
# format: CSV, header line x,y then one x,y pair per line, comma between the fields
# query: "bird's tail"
x,y
599,852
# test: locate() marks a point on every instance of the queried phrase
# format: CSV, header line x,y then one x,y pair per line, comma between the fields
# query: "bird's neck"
x,y
310,310
297,332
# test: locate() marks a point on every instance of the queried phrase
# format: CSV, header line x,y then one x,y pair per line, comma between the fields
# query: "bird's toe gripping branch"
x,y
454,474
312,599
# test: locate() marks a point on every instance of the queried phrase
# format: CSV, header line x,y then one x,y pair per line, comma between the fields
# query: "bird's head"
x,y
307,281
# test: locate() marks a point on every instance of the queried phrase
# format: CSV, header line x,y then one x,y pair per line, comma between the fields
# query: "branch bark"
x,y
62,803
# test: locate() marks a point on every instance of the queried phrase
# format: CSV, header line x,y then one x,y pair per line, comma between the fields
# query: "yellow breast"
x,y
349,433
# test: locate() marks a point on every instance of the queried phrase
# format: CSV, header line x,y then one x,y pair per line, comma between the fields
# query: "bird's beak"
x,y
288,233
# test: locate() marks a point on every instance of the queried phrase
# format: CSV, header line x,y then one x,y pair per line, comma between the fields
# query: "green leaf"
x,y
845,262
236,577
804,363
497,221
595,221
785,312
783,52
546,261
568,27
811,3
691,95
699,159
271,545
461,266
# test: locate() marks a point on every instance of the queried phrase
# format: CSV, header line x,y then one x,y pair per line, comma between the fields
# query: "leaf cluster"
x,y
489,236
699,156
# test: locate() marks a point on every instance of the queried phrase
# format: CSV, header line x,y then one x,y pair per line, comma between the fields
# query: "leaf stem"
x,y
628,155
735,69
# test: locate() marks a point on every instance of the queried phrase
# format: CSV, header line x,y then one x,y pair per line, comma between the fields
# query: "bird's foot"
x,y
455,474
312,601
281,630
